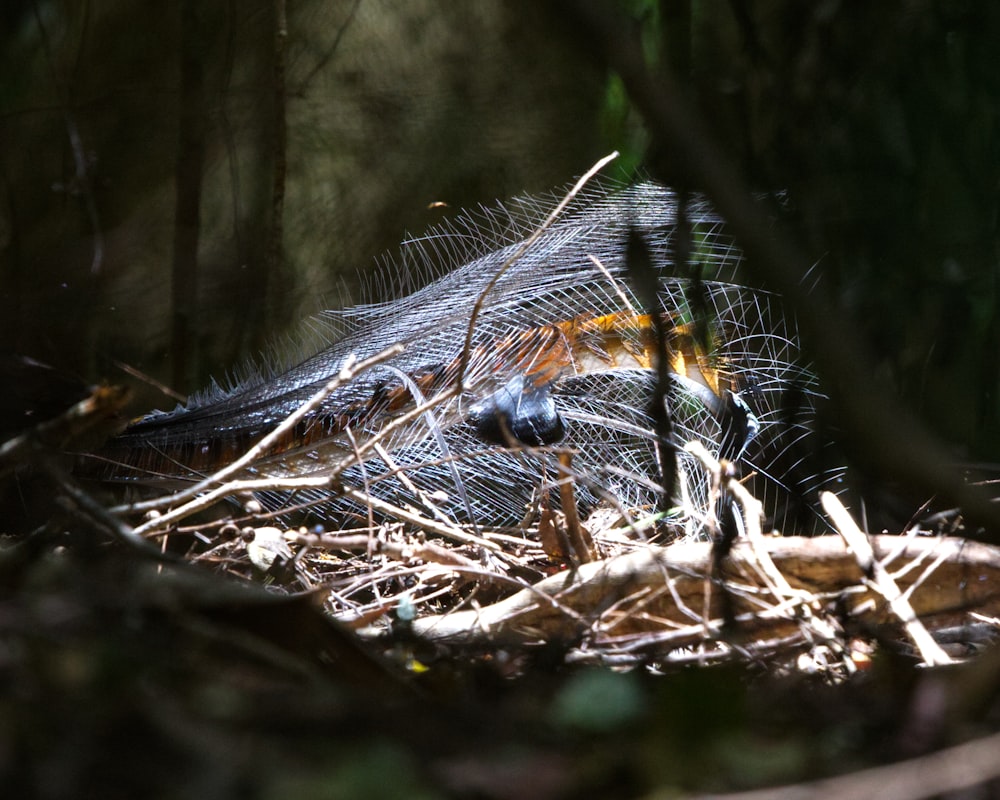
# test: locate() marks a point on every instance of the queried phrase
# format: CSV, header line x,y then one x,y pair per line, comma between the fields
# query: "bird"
x,y
532,338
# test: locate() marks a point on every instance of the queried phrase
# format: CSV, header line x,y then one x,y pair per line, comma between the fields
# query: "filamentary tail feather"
x,y
560,357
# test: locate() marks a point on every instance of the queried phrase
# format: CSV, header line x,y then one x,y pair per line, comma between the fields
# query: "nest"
x,y
612,597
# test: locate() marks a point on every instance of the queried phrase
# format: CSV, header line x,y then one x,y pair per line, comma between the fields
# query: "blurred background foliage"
x,y
883,124
126,127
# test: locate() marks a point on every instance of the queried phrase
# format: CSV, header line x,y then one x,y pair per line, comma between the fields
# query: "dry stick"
x,y
630,606
688,635
375,443
614,284
434,431
627,303
437,568
928,571
209,498
398,422
900,549
490,620
881,581
669,576
100,516
711,525
149,380
364,474
425,551
318,482
579,537
347,372
753,513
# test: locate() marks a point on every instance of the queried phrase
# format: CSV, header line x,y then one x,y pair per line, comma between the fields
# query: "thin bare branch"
x,y
881,581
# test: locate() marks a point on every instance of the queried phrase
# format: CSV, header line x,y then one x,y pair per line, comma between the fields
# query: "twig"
x,y
360,449
626,302
881,581
202,501
580,540
149,380
418,493
425,551
753,513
